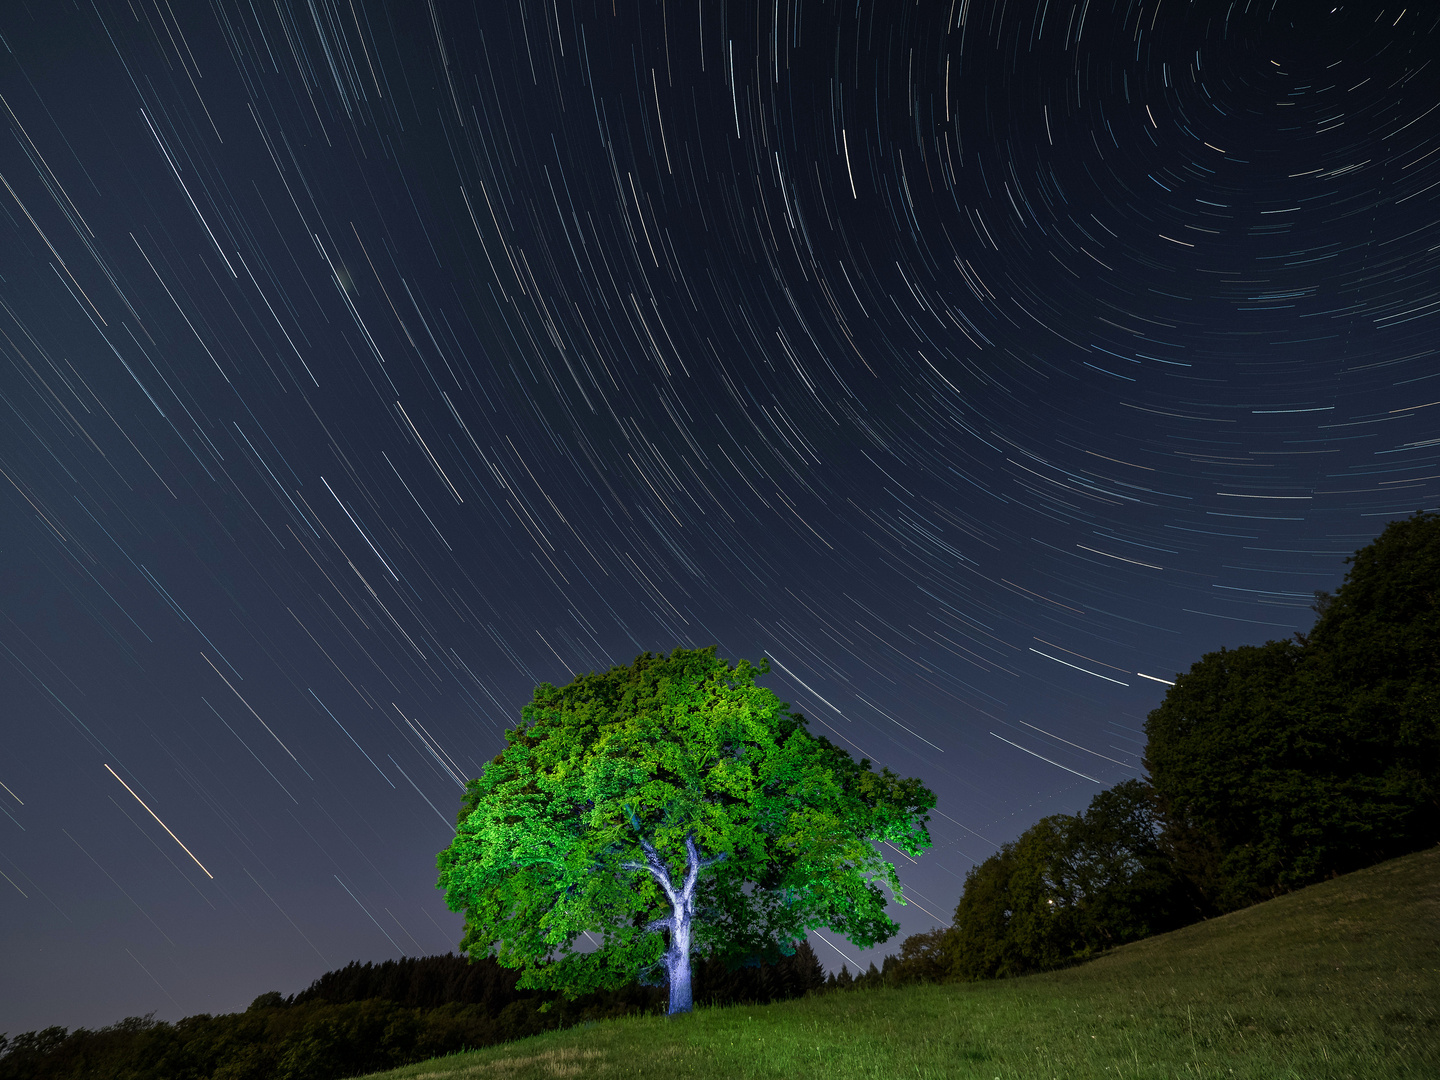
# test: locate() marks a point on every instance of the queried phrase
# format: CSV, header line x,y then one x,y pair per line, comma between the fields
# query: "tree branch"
x,y
656,868
692,872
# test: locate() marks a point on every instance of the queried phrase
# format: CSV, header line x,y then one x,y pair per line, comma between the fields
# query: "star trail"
x,y
982,363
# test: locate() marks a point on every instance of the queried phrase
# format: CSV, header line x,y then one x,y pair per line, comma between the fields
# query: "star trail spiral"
x,y
981,363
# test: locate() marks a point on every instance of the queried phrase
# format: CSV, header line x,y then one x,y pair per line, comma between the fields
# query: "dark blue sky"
x,y
983,364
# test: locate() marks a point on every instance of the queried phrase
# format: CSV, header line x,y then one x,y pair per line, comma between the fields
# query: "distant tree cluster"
x,y
1271,767
367,1017
1072,886
923,958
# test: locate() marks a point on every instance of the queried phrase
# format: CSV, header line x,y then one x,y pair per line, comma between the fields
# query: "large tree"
x,y
1233,753
1373,661
1281,764
667,809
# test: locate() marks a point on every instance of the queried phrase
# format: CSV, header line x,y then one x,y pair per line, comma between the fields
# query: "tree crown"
x,y
669,753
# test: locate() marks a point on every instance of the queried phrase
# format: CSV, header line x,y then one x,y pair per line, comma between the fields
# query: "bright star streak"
x,y
1042,757
1077,667
156,816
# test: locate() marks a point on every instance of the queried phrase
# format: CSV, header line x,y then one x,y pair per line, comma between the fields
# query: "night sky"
x,y
365,364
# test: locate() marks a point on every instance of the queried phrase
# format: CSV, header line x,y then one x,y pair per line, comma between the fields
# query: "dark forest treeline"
x,y
432,981
367,1017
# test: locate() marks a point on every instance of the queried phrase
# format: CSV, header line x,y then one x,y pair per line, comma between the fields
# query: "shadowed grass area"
x,y
1339,980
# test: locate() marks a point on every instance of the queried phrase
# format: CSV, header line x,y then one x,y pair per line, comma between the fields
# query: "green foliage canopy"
x,y
669,805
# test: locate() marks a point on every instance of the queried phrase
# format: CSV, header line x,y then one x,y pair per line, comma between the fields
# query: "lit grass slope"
x,y
1338,980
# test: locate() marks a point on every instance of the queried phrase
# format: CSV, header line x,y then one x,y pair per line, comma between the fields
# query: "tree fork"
x,y
682,913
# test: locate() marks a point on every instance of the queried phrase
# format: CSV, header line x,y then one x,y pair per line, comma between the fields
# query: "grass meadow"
x,y
1338,980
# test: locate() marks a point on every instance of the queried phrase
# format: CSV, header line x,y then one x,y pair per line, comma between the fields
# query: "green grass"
x,y
1338,980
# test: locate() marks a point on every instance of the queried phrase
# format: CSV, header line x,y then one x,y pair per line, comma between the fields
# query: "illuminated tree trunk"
x,y
682,913
677,962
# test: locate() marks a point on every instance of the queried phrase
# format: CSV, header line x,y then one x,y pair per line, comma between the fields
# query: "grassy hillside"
x,y
1338,980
